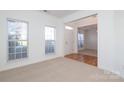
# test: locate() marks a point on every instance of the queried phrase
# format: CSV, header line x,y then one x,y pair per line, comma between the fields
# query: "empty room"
x,y
61,46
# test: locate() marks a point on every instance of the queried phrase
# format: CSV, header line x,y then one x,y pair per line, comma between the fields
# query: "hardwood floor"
x,y
91,60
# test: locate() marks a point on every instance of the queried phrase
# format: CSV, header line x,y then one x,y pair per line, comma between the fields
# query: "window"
x,y
49,40
80,40
17,39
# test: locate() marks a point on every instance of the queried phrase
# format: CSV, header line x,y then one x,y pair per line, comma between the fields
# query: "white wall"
x,y
90,39
106,43
119,42
69,42
37,21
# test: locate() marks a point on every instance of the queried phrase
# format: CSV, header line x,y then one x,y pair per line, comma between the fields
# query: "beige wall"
x,y
91,40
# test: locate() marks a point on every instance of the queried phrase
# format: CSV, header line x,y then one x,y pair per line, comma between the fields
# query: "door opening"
x,y
84,40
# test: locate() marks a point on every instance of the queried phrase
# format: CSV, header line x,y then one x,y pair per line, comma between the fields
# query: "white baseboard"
x,y
9,66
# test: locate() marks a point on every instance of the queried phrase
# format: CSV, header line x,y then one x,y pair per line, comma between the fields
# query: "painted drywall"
x,y
91,39
37,20
119,45
106,37
69,42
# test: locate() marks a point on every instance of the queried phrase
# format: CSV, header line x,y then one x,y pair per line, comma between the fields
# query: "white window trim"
x,y
50,54
21,59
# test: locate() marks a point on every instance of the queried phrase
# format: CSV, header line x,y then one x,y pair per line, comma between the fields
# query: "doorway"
x,y
85,40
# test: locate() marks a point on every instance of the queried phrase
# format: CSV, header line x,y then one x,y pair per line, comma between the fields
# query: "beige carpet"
x,y
58,70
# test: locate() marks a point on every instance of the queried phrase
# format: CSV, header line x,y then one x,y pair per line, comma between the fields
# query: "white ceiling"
x,y
60,13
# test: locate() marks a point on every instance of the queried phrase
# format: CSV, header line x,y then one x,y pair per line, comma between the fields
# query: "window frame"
x,y
17,60
54,39
79,44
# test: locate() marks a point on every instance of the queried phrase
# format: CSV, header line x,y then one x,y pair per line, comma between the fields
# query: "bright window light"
x,y
50,41
68,28
17,39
